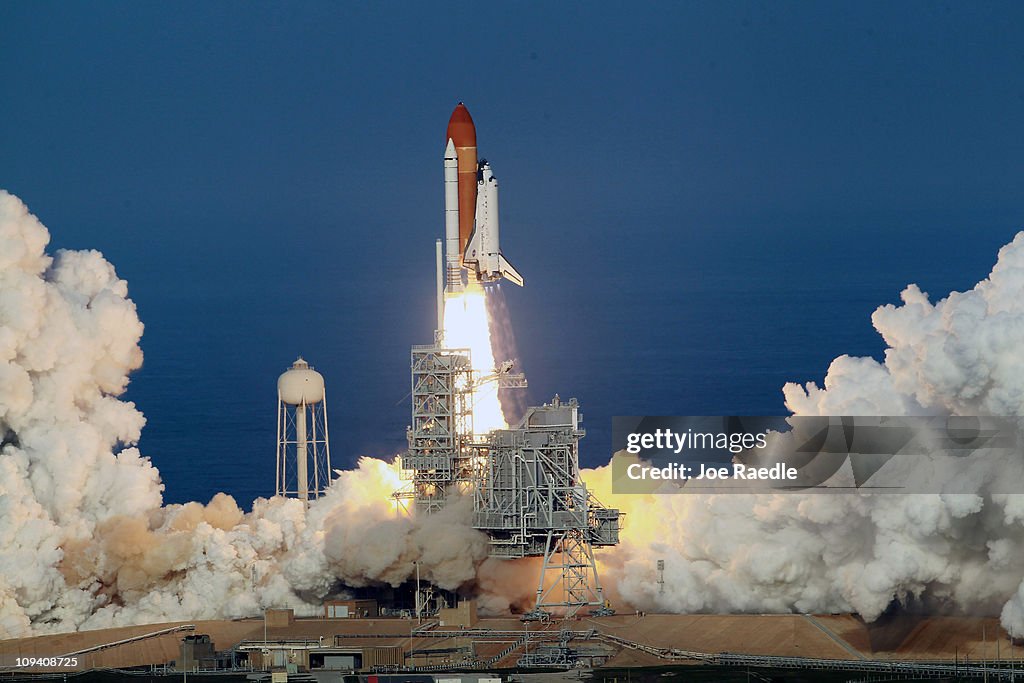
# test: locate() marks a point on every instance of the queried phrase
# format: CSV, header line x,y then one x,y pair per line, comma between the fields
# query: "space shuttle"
x,y
471,210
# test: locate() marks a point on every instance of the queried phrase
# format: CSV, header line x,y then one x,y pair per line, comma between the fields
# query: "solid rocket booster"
x,y
471,209
453,255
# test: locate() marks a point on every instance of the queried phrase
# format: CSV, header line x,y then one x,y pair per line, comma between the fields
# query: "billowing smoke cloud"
x,y
835,553
85,539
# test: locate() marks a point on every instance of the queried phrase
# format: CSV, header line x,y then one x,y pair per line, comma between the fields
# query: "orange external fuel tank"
x,y
462,132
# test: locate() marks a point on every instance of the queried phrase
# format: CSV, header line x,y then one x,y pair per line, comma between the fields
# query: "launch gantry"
x,y
530,501
442,458
439,459
525,482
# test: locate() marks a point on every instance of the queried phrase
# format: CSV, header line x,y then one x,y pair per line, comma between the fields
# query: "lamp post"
x,y
419,610
265,652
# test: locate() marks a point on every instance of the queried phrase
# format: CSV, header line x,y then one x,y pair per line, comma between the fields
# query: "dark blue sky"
x,y
706,199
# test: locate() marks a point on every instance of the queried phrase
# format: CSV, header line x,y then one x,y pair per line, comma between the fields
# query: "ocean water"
x,y
714,322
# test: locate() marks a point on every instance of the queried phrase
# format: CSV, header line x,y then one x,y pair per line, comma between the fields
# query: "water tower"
x,y
303,449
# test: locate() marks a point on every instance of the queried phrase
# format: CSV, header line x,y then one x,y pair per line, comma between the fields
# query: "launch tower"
x,y
525,482
530,501
439,458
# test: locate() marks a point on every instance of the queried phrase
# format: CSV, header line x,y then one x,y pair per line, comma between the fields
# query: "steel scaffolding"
x,y
525,481
531,502
439,458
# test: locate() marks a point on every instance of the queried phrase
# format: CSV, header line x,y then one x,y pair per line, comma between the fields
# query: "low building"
x,y
279,618
351,609
463,614
197,653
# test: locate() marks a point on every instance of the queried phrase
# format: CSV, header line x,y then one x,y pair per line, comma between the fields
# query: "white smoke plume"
x,y
963,355
85,541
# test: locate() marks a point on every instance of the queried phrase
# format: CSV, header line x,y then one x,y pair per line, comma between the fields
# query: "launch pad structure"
x,y
531,502
524,481
439,457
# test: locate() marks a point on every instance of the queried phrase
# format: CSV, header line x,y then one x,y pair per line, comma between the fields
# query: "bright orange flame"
x,y
465,327
371,483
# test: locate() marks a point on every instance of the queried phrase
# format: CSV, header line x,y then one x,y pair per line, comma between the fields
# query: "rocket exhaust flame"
x,y
466,327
